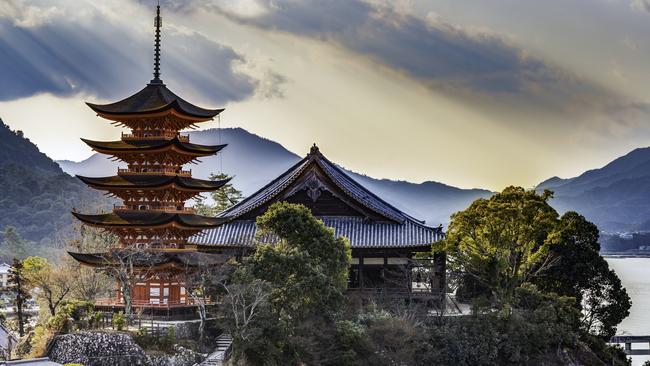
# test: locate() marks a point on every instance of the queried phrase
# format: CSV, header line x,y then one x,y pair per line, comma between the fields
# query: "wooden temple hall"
x,y
384,240
153,219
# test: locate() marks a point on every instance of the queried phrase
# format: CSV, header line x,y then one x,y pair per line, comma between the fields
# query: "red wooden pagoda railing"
x,y
164,171
155,136
148,304
150,208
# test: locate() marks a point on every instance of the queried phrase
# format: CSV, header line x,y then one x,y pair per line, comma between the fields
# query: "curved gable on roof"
x,y
355,193
384,227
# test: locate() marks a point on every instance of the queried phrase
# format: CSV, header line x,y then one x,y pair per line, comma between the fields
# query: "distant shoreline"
x,y
625,255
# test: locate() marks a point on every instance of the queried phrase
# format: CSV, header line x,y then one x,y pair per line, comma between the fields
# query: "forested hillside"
x,y
616,197
36,196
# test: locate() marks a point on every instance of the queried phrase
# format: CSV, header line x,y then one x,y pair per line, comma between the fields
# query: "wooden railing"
x,y
148,303
395,292
155,136
155,171
173,209
628,340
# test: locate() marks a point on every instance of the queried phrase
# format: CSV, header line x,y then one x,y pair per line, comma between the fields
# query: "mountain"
x,y
255,161
616,197
36,196
16,149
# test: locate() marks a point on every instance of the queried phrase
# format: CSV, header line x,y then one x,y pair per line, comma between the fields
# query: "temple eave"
x,y
150,221
153,182
152,147
157,260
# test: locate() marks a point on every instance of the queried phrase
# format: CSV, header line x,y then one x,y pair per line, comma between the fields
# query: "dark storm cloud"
x,y
101,58
433,52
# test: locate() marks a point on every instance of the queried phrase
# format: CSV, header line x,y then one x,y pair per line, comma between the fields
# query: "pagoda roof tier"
x,y
122,182
149,219
151,100
149,259
152,146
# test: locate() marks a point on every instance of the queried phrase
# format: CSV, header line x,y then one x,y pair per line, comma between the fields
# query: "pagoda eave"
x,y
149,220
153,182
159,260
165,111
152,147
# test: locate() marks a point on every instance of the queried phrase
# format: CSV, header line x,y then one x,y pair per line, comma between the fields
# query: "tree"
x,y
224,197
246,302
91,284
13,244
202,282
581,272
18,285
292,284
54,284
307,267
130,266
501,242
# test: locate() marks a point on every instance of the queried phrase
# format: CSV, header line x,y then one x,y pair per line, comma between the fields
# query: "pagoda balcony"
x,y
155,136
149,303
168,209
155,171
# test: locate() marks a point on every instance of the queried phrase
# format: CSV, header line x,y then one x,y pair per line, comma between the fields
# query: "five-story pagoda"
x,y
154,188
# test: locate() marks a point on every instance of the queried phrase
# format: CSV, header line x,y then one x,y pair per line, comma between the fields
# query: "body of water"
x,y
635,275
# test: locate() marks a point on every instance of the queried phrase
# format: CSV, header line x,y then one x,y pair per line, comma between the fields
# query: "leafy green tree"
x,y
307,267
19,287
290,286
501,242
581,272
54,284
504,244
224,197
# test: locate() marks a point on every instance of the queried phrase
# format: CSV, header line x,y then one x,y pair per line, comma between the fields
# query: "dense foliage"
x,y
514,239
501,242
284,305
36,195
293,284
581,272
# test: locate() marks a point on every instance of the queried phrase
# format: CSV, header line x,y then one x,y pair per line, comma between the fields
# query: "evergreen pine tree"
x,y
18,285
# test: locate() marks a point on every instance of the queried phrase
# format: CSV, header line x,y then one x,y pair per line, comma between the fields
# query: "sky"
x,y
470,93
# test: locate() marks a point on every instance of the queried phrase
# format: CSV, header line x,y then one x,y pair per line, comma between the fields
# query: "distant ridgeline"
x,y
36,196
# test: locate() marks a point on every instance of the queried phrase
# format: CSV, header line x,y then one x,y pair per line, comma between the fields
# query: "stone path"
x,y
217,357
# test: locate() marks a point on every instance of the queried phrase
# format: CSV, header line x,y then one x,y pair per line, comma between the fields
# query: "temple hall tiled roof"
x,y
395,229
358,192
362,234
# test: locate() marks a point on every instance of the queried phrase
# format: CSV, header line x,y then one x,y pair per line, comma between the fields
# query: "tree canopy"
x,y
516,238
501,242
223,198
581,272
296,277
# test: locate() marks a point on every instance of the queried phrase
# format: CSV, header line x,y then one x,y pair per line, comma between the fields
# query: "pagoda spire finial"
x,y
156,64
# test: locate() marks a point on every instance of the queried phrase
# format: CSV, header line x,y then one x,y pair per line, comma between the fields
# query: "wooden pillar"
x,y
439,283
361,286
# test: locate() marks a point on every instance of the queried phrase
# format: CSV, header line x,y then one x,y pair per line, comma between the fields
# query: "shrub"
x,y
119,321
